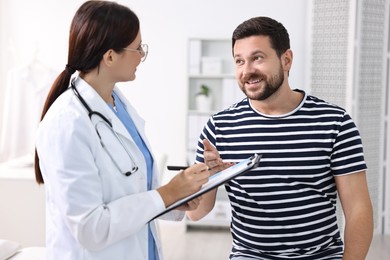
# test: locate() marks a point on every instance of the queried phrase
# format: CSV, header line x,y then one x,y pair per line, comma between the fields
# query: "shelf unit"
x,y
210,63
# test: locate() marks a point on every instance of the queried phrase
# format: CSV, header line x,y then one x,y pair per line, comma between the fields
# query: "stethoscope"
x,y
108,124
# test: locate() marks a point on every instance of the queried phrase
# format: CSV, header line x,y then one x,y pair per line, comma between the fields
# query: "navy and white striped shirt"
x,y
286,208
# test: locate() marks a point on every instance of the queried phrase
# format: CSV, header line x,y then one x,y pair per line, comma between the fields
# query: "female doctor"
x,y
101,180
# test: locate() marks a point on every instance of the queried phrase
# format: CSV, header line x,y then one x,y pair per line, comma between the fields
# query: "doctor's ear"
x,y
109,57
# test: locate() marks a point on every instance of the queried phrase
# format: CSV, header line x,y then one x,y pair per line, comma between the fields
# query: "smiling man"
x,y
312,156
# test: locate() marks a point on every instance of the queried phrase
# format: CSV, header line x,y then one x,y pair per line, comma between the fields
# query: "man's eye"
x,y
238,62
257,58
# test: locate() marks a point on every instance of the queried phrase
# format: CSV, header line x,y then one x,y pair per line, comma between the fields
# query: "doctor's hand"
x,y
213,159
184,184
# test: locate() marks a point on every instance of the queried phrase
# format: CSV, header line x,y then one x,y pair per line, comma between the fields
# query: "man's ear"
x,y
287,58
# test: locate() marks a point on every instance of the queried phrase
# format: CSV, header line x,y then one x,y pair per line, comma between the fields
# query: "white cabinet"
x,y
211,66
22,200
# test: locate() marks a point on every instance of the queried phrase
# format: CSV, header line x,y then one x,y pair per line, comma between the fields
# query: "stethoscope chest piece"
x,y
133,170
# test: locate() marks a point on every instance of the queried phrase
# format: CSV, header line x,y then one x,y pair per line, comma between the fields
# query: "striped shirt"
x,y
286,207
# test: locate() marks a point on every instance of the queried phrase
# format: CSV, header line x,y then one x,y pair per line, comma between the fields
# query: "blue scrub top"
x,y
125,118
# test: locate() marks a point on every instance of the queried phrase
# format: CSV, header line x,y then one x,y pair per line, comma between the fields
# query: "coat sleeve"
x,y
67,145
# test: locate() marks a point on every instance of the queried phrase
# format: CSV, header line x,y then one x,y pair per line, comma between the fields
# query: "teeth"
x,y
255,81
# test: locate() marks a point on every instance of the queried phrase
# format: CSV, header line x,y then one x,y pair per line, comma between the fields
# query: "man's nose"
x,y
248,68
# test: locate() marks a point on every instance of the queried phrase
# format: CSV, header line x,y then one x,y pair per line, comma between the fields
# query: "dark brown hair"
x,y
265,26
97,27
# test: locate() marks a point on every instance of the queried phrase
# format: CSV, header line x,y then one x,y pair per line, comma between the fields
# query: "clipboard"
x,y
218,179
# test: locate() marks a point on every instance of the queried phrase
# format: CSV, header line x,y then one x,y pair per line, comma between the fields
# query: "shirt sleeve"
x,y
347,155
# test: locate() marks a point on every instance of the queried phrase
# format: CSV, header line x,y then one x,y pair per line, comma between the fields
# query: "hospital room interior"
x,y
341,53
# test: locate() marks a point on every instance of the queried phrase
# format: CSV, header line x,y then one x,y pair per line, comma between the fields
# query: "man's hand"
x,y
191,205
212,158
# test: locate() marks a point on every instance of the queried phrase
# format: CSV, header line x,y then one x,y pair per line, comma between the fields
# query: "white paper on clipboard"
x,y
218,179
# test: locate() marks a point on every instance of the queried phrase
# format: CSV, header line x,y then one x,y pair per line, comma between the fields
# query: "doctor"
x,y
101,180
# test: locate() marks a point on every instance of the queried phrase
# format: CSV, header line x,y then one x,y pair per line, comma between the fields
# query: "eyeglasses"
x,y
142,50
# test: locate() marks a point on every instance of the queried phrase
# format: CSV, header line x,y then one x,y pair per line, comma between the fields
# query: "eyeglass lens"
x,y
143,51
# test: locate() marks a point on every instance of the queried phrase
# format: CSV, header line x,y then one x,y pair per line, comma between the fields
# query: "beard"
x,y
271,86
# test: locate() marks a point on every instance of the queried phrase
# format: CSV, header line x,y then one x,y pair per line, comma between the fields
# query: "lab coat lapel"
x,y
138,121
96,103
140,125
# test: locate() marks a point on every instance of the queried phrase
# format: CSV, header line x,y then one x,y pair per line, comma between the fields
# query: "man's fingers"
x,y
196,201
220,167
207,145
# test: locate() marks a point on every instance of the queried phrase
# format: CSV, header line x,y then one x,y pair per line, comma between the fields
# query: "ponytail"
x,y
59,86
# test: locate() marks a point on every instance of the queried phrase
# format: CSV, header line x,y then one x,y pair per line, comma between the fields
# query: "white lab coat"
x,y
93,210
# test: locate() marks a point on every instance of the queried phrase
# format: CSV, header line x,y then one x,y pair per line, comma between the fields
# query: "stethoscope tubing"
x,y
109,125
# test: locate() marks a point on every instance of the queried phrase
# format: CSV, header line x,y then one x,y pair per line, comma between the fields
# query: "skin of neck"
x,y
283,101
102,84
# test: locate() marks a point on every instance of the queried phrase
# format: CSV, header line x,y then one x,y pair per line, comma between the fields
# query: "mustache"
x,y
254,76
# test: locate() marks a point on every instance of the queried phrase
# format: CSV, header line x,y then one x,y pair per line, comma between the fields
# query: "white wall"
x,y
2,60
159,93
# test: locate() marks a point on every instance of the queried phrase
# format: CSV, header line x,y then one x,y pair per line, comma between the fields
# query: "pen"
x,y
176,168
